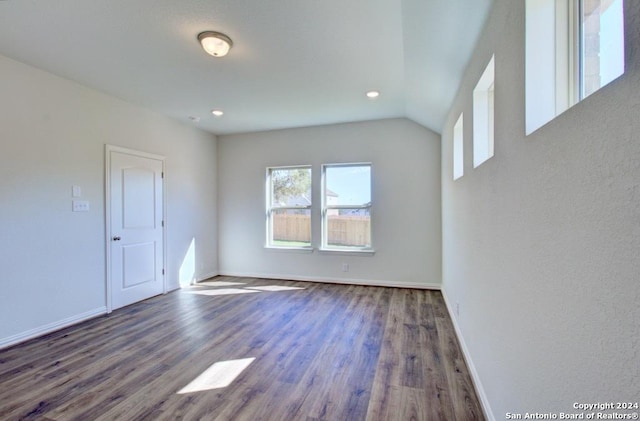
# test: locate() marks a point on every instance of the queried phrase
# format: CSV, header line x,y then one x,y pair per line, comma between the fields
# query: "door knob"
x,y
116,238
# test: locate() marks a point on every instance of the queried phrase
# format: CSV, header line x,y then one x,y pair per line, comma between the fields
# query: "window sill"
x,y
346,252
290,249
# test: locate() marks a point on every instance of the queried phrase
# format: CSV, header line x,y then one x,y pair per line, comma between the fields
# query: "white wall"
x,y
52,135
541,243
406,227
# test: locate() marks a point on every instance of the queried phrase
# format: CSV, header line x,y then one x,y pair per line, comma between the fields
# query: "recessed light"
x,y
194,119
217,113
373,94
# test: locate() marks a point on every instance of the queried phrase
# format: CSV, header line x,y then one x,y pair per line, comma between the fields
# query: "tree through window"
x,y
289,207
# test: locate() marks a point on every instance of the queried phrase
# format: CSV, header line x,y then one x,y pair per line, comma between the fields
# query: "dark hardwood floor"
x,y
322,352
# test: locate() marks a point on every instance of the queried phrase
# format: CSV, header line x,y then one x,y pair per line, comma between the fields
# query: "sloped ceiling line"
x,y
294,63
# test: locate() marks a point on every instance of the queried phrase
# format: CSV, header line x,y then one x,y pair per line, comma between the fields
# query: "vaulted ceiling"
x,y
293,63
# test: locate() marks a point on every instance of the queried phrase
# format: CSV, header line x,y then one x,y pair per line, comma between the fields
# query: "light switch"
x,y
76,191
81,206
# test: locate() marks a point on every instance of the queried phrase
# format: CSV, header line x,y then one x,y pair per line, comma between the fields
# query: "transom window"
x,y
458,148
601,43
483,115
573,48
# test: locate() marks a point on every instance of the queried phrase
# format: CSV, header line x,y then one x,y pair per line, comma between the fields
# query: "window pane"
x,y
291,187
291,227
602,24
349,228
483,115
458,148
348,185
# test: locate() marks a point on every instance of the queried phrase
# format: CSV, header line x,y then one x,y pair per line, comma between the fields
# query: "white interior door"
x,y
136,227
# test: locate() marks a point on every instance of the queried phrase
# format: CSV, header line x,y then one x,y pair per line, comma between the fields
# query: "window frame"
x,y
581,56
555,61
484,115
325,246
458,148
271,207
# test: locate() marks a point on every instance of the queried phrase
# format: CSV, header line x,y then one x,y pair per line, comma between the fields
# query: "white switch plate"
x,y
76,191
81,206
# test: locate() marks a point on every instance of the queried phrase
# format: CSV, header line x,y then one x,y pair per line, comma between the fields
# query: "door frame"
x,y
107,208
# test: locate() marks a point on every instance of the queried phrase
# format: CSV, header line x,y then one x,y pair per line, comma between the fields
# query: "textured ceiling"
x,y
294,62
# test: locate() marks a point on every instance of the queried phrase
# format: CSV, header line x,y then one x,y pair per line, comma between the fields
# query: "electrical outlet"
x,y
345,267
80,206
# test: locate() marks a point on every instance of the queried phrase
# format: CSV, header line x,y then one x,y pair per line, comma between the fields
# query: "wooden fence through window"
x,y
343,230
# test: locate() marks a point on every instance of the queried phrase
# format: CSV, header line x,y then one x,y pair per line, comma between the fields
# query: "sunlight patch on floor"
x,y
274,288
219,283
218,375
222,291
187,271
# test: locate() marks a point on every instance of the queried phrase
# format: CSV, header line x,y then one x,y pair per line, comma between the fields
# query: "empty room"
x,y
305,210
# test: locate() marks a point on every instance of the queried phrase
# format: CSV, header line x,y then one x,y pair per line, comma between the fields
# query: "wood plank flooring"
x,y
322,352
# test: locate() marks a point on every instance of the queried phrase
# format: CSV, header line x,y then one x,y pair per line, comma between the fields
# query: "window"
x,y
483,115
346,207
289,207
573,48
458,148
601,43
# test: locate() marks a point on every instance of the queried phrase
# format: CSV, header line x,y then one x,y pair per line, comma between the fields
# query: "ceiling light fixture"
x,y
217,113
215,43
373,94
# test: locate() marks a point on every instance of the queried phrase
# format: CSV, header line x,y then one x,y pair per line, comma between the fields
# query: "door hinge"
x,y
162,174
163,271
163,224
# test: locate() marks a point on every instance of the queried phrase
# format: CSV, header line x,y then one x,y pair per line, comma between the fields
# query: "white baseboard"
x,y
194,280
206,276
484,401
51,327
348,281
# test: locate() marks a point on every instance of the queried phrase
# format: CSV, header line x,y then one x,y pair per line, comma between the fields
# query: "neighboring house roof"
x,y
301,200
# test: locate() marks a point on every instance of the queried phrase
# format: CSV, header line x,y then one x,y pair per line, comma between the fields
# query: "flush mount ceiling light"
x,y
373,94
215,43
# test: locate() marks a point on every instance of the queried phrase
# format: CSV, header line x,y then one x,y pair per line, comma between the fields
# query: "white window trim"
x,y
552,57
554,67
348,252
483,115
324,247
568,79
458,148
270,208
